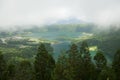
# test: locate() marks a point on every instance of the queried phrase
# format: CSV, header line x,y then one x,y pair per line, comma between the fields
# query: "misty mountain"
x,y
70,21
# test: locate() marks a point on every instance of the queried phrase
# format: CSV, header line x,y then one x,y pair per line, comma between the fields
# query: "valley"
x,y
24,43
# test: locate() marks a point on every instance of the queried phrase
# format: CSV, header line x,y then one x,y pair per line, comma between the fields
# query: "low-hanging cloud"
x,y
39,12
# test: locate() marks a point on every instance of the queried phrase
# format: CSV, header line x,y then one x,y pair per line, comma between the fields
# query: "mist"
x,y
24,13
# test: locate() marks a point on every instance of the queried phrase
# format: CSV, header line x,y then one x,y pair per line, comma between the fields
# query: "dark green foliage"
x,y
84,49
74,63
10,72
2,67
116,64
49,48
100,60
87,65
44,64
60,68
23,71
107,74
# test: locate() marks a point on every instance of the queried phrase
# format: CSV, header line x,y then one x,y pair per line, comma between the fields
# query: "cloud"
x,y
38,12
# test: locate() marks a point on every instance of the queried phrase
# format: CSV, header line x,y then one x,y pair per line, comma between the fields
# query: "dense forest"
x,y
74,64
60,52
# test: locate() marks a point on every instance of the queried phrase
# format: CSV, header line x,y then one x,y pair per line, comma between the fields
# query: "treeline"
x,y
74,64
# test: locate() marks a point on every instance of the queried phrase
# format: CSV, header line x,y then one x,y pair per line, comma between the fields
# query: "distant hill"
x,y
70,21
108,41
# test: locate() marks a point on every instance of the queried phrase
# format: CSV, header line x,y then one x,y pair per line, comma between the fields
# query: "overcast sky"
x,y
36,12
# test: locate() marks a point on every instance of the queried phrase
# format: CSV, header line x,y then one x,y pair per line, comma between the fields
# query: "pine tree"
x,y
74,63
100,62
23,71
49,48
2,67
116,64
60,68
87,65
44,64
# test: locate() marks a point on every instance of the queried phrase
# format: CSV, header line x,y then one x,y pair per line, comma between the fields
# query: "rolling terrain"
x,y
58,37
